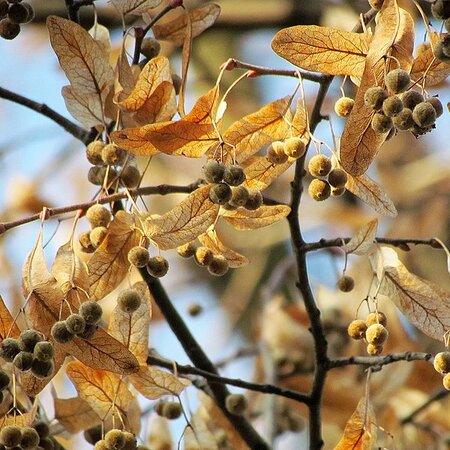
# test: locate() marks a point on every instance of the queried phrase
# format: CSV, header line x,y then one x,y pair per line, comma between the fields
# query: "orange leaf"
x,y
8,328
260,172
243,219
135,7
363,240
75,414
83,106
20,420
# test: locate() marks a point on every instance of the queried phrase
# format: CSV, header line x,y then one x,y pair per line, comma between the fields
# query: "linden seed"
x,y
157,266
220,193
85,242
403,120
376,317
150,48
129,300
255,200
294,147
437,105
23,361
392,106
4,380
42,429
376,334
130,441
374,350
446,382
20,12
276,153
236,404
93,435
411,98
374,97
187,250
381,123
177,82
234,175
171,410
113,155
114,439
218,266
75,324
343,106
9,349
44,351
346,283
203,256
97,236
319,190
98,216
138,256
4,6
441,9
357,329
60,332
94,152
424,114
213,171
239,196
42,369
91,312
8,29
442,362
337,178
28,339
101,445
397,80
319,166
88,332
30,438
10,436
130,176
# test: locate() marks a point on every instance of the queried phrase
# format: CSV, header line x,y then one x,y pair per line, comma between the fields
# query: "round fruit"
x,y
437,105
113,155
97,236
176,81
88,331
130,176
187,250
374,350
101,445
374,97
397,80
114,439
403,120
157,266
23,361
98,216
3,8
392,106
28,339
234,175
171,410
93,435
381,123
337,178
30,438
194,309
213,171
294,147
150,48
411,98
130,441
255,200
343,107
94,152
91,312
129,300
8,29
85,242
220,193
424,115
42,429
10,436
357,329
337,191
158,408
138,256
239,196
376,334
446,382
218,266
276,153
47,443
75,324
319,166
42,369
9,349
376,317
20,12
442,362
203,256
441,9
236,404
319,190
346,283
4,380
44,351
97,175
60,332
376,4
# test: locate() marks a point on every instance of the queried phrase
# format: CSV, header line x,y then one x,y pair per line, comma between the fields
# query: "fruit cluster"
x,y
400,108
169,410
106,160
114,439
280,151
82,324
441,11
4,383
321,167
373,330
27,438
204,257
13,13
157,266
441,364
99,217
29,352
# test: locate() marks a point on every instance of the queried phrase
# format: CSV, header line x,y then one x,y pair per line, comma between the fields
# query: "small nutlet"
x,y
187,250
129,300
403,120
236,404
441,362
276,153
220,193
130,176
357,329
392,106
381,123
8,29
10,436
157,266
376,334
150,48
374,97
234,174
28,339
255,200
397,80
94,152
98,216
337,178
113,155
374,350
239,196
138,256
97,236
441,9
23,361
411,98
42,369
346,283
376,317
446,382
114,439
213,171
343,106
171,410
91,312
218,266
437,105
9,349
30,438
424,114
44,351
319,190
75,324
203,256
294,147
319,166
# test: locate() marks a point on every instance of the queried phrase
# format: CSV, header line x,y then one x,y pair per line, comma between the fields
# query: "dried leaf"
x,y
20,420
109,263
105,392
154,383
185,61
323,49
192,217
372,194
261,173
243,219
101,35
300,120
84,107
360,432
136,7
8,328
159,437
426,305
75,414
199,437
363,240
201,19
212,241
394,35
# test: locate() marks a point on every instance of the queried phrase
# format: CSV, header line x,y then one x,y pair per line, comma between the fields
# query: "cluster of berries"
x,y
204,257
441,11
106,159
408,111
27,438
114,439
99,217
320,167
373,330
442,365
82,324
12,14
280,151
29,352
157,266
169,410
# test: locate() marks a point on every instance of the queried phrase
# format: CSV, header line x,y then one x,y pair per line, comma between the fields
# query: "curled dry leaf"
x,y
192,217
201,18
8,328
360,431
372,194
323,49
394,36
109,263
261,173
154,383
136,7
75,414
212,241
243,219
426,305
363,240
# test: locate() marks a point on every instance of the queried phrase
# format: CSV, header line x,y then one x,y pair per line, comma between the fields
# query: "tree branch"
x,y
434,398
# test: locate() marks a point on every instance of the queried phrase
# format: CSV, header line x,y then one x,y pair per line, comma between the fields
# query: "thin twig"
x,y
439,395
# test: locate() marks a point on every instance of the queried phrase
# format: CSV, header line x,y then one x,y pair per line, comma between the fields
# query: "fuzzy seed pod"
x,y
85,242
381,123
441,362
374,97
319,166
338,191
319,190
392,106
114,439
23,361
4,6
213,171
357,329
294,147
130,441
97,236
337,178
376,317
229,206
397,80
75,324
376,4
98,216
91,312
150,48
276,153
424,115
440,52
403,120
94,152
441,9
42,429
42,369
60,333
343,106
376,334
187,250
130,176
44,351
411,98
194,309
88,332
158,408
218,266
101,445
239,196
236,404
203,256
346,283
157,266
374,350
30,438
129,300
220,193
255,200
171,410
138,256
8,29
446,382
93,435
10,436
20,12
234,174
113,155
176,81
437,105
9,349
28,339
4,380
